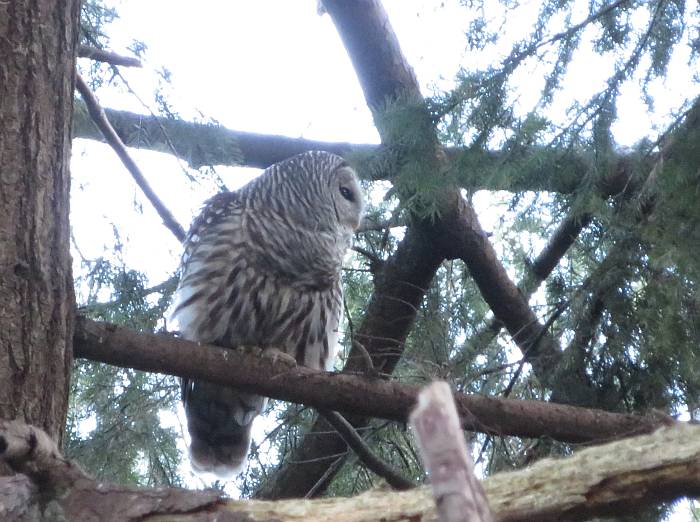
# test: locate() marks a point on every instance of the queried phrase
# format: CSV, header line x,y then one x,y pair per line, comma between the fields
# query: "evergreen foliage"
x,y
623,303
114,428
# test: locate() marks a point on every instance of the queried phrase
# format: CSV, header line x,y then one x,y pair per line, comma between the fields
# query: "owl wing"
x,y
218,418
212,249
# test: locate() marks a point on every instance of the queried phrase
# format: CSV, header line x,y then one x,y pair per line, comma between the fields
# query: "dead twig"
x,y
98,116
364,453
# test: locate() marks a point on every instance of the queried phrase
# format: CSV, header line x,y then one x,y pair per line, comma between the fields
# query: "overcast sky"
x,y
276,66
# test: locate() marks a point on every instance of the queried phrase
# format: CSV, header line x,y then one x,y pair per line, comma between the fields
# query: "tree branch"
x,y
379,63
344,392
100,55
385,75
100,119
74,495
31,451
575,28
364,453
458,493
465,240
201,144
559,243
509,303
623,477
619,180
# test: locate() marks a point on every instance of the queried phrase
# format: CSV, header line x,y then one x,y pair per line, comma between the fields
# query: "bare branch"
x,y
364,453
353,394
100,119
465,240
624,477
368,227
100,55
323,482
458,494
374,50
559,243
375,262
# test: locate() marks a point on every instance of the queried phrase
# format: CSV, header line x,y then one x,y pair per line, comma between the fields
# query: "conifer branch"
x,y
100,55
203,144
352,394
603,11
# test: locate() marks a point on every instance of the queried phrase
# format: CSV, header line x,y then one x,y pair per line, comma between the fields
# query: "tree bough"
x,y
617,478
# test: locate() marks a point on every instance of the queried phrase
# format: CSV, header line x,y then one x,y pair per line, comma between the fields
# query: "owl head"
x,y
346,195
315,190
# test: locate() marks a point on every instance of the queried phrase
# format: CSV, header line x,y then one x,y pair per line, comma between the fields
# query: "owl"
x,y
261,268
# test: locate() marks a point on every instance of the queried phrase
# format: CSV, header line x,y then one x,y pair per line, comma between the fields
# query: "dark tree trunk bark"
x,y
37,44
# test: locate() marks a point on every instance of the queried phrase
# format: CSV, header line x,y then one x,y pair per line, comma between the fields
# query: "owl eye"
x,y
347,193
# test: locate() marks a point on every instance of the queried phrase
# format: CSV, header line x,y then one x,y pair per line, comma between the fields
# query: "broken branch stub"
x,y
458,494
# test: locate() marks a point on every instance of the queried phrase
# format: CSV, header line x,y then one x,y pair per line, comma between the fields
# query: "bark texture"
x,y
354,394
37,45
619,478
459,495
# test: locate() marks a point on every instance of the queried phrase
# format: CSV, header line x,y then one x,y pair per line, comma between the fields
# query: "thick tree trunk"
x,y
37,45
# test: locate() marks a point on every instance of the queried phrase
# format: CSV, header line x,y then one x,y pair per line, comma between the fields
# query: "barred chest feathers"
x,y
246,285
262,268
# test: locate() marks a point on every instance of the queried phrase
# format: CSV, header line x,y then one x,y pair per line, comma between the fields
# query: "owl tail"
x,y
219,420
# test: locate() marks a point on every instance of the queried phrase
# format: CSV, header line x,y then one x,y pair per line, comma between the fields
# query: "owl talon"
x,y
250,350
278,356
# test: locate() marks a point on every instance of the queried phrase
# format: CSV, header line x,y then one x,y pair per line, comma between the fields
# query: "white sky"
x,y
276,66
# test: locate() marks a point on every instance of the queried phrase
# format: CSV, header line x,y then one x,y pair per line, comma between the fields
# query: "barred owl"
x,y
261,267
